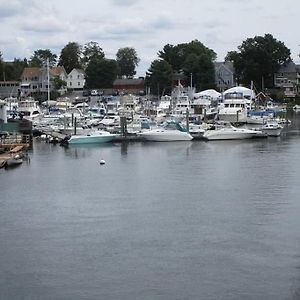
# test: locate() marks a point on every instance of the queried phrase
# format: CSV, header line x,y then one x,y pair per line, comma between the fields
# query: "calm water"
x,y
195,220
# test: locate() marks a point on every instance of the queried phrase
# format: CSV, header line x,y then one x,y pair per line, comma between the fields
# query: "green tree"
x,y
58,83
12,71
70,57
193,58
39,58
202,69
91,51
258,59
127,60
101,73
173,55
159,77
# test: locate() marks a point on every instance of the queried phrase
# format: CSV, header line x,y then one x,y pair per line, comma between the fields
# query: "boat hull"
x,y
231,134
166,136
91,139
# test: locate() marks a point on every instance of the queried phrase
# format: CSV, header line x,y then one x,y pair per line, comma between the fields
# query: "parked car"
x,y
94,93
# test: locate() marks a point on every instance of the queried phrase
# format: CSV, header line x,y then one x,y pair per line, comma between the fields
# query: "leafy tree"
x,y
159,77
173,55
193,58
202,69
12,70
70,57
101,73
40,57
91,50
127,60
258,59
58,83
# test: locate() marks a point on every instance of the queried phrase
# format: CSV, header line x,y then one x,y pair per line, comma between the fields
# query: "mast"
x,y
48,80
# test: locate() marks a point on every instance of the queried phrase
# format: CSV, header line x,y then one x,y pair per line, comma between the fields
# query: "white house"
x,y
76,79
36,79
224,75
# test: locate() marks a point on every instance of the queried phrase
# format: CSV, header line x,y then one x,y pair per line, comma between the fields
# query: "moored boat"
x,y
170,131
229,132
272,128
92,137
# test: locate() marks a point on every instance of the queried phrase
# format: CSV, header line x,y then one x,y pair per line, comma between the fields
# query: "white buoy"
x,y
102,162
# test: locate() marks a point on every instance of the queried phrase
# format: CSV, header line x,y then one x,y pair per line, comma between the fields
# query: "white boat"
x,y
234,108
272,128
229,132
296,107
92,137
14,161
169,131
29,109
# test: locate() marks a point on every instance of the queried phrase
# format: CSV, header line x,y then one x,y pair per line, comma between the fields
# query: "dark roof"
x,y
288,67
227,64
129,81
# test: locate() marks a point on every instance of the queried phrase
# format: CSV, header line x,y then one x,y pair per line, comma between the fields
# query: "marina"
x,y
153,220
150,203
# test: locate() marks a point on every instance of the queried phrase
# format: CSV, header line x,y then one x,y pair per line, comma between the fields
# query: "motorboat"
x,y
29,109
168,132
14,161
229,132
296,107
272,128
92,137
234,108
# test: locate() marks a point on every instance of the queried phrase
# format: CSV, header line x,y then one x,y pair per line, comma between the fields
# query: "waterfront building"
x,y
288,79
224,75
76,79
35,80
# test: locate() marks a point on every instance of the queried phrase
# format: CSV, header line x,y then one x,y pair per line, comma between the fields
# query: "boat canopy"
x,y
247,93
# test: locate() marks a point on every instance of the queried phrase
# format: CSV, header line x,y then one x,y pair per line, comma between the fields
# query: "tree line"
x,y
257,58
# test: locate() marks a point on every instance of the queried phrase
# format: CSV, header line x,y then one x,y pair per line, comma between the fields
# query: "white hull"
x,y
228,133
272,132
161,135
232,117
97,137
272,128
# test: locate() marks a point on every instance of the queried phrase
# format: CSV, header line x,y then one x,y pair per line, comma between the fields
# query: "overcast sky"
x,y
222,25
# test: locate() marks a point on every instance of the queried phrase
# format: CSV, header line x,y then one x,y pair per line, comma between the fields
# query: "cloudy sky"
x,y
222,25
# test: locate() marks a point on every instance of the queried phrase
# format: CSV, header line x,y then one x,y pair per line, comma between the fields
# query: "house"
x,y
35,80
9,89
76,79
129,85
224,75
288,78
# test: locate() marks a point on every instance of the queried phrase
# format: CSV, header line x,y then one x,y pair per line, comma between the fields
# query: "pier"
x,y
12,145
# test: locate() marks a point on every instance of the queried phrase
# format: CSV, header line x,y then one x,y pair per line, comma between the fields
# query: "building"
x,y
224,75
9,89
287,79
129,85
35,80
76,79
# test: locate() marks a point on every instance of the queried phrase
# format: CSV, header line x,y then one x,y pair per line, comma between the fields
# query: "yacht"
x,y
29,109
169,131
92,137
234,108
272,128
229,132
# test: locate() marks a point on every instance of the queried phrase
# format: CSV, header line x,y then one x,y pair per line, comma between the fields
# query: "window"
x,y
78,83
70,83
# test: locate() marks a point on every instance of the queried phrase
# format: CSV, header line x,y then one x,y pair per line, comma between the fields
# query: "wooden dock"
x,y
12,145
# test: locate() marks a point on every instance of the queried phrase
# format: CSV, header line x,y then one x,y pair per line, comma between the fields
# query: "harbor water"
x,y
180,220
